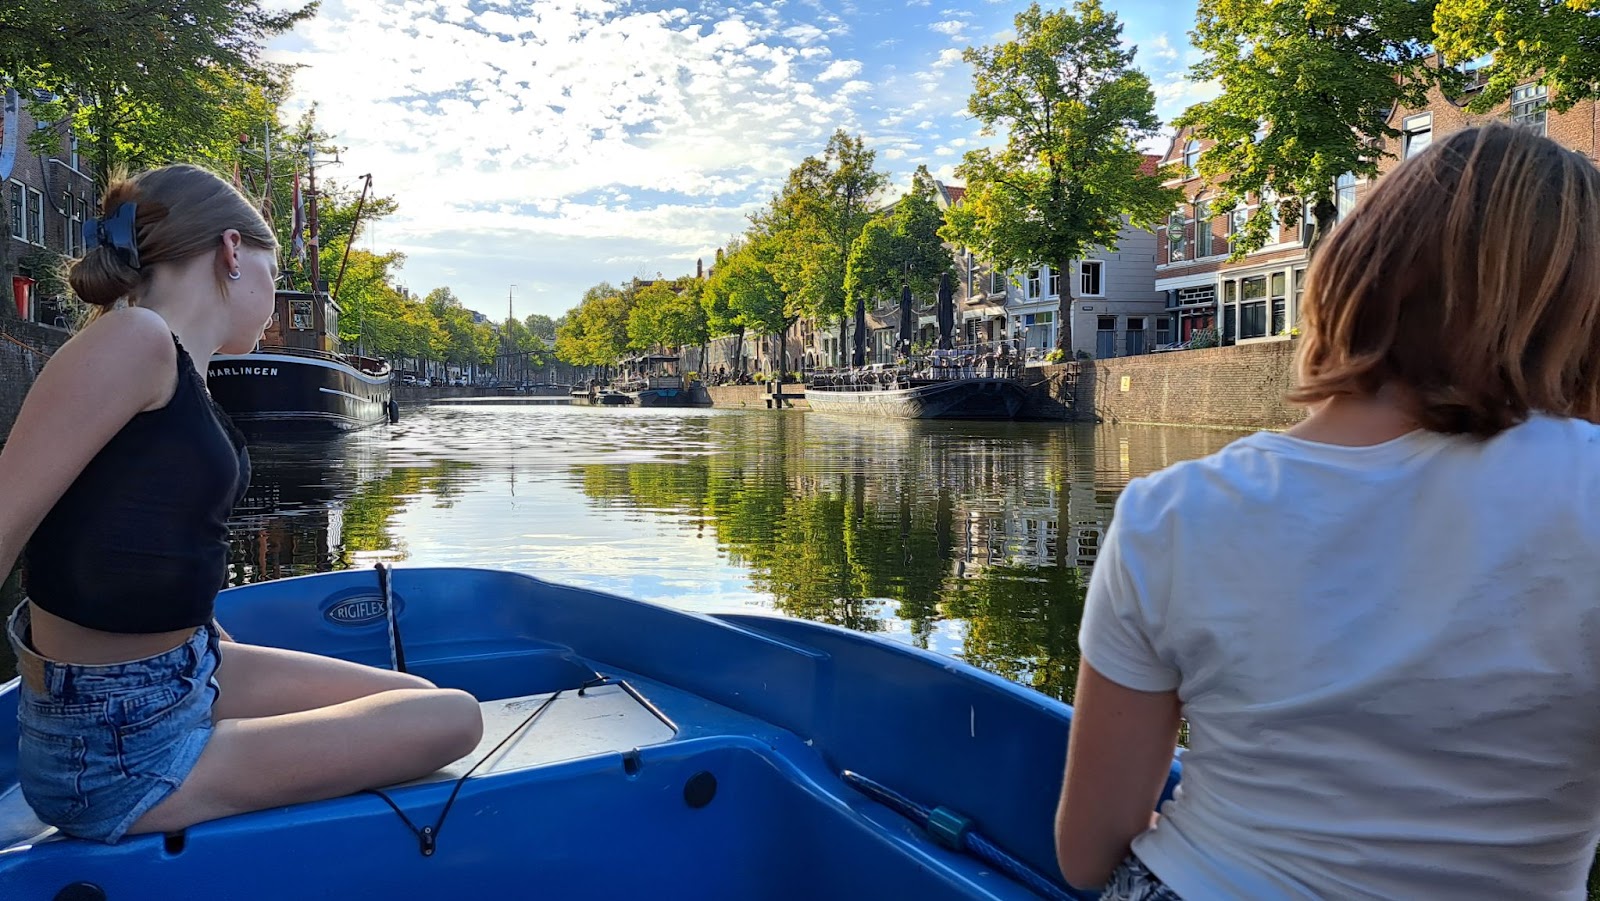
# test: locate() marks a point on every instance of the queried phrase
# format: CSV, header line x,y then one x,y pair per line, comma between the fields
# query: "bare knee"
x,y
459,720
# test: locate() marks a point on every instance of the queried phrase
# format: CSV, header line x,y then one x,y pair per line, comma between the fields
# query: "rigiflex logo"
x,y
358,611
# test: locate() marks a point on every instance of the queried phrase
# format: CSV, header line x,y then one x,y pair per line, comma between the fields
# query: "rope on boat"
x,y
955,832
428,836
397,651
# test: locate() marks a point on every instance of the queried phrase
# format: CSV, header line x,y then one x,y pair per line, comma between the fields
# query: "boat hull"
x,y
718,775
291,393
671,397
994,399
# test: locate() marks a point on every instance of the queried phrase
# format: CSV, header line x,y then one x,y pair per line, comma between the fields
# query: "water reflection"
x,y
968,539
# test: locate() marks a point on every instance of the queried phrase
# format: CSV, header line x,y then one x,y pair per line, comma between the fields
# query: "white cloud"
x,y
955,28
840,69
1161,48
947,58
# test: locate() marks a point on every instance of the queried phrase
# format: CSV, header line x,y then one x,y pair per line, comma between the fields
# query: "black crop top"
x,y
139,542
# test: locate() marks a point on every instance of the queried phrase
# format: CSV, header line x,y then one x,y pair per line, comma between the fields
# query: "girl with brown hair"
x,y
1382,625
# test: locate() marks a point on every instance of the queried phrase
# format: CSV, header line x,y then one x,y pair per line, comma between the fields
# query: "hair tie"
x,y
115,232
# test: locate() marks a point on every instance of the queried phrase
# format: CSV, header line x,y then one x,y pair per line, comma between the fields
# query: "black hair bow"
x,y
115,232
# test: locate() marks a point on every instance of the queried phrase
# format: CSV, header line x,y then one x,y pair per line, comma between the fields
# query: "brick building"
x,y
47,198
1258,298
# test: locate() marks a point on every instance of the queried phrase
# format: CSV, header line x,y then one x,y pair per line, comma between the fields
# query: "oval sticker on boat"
x,y
357,611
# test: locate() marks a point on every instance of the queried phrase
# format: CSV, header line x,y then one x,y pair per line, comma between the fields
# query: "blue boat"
x,y
630,750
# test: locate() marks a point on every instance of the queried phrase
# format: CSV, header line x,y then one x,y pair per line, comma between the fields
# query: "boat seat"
x,y
18,826
602,720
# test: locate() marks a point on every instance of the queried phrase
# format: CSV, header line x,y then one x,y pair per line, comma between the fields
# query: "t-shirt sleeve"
x,y
1115,637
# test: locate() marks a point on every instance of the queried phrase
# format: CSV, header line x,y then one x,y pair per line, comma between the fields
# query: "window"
x,y
1033,283
1191,158
35,217
1345,195
1253,307
1477,71
1163,331
1199,294
1136,336
997,282
73,239
1280,303
1528,106
1270,203
1237,219
73,158
1202,229
1055,284
1089,278
1299,290
1417,134
1177,240
18,195
300,315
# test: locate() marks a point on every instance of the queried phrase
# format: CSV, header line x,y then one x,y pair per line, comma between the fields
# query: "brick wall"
x,y
1230,387
24,348
755,397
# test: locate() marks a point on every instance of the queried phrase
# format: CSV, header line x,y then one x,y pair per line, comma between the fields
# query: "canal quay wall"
x,y
24,348
756,397
1240,387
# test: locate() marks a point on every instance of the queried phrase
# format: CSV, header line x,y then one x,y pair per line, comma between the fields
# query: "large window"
x,y
1090,282
1280,303
997,282
1177,237
1055,283
17,195
300,315
1202,229
1253,307
1344,191
1528,106
1034,286
35,217
1417,133
1191,159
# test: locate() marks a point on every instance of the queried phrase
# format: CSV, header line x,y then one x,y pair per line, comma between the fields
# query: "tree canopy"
x,y
1068,178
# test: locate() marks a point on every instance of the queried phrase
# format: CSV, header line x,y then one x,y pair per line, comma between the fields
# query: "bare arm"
x,y
1118,755
121,364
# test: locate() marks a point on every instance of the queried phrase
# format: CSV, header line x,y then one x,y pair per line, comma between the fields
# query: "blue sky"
x,y
553,144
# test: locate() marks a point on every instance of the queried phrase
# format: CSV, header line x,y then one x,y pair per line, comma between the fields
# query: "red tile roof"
x,y
955,193
1152,162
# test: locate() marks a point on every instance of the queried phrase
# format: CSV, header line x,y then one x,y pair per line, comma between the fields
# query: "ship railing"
x,y
367,365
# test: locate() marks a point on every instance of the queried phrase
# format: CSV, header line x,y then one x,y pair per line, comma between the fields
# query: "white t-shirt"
x,y
1389,658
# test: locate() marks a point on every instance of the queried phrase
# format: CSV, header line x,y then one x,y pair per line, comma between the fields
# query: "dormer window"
x,y
1191,158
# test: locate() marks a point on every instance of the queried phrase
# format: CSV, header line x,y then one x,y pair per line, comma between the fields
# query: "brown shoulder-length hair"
x,y
1469,278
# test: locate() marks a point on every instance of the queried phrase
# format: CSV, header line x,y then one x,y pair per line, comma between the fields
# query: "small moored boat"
x,y
629,750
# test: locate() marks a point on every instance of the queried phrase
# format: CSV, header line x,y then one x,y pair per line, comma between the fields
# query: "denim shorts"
x,y
101,745
1133,881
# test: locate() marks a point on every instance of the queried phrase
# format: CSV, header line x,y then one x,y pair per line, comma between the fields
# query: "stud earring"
x,y
234,275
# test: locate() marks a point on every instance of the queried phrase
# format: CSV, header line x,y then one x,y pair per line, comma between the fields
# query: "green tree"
x,y
900,246
667,316
541,325
812,223
595,332
151,76
755,296
1307,89
1074,110
1550,41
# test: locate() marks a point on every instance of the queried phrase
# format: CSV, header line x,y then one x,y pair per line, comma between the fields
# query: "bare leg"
x,y
260,681
291,758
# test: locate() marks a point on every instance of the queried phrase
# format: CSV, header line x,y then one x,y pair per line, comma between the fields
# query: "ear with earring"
x,y
234,275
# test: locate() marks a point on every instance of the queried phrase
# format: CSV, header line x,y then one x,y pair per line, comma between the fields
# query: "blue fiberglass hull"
x,y
606,794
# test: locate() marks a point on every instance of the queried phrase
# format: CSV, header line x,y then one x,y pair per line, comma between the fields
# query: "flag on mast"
x,y
297,244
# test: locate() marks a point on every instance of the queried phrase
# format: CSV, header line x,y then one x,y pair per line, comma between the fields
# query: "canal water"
x,y
968,539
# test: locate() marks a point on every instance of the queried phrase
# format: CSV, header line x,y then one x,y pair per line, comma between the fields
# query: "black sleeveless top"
x,y
139,542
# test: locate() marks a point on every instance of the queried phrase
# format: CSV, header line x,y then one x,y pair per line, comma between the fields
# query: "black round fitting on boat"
x,y
700,789
81,891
